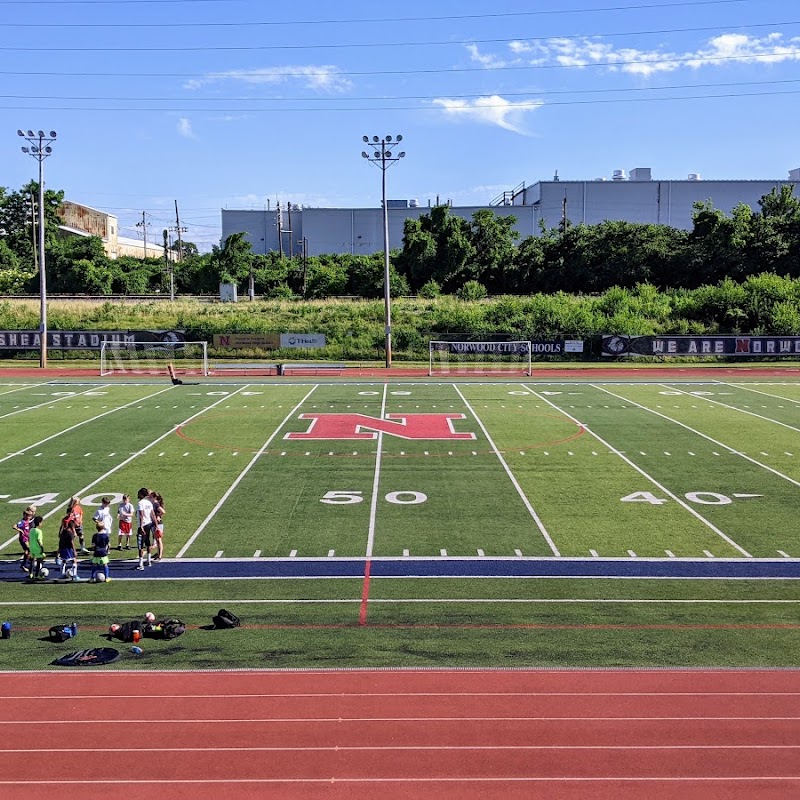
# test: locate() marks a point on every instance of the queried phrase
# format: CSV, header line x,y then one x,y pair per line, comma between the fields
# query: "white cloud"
x,y
493,110
185,128
322,78
722,50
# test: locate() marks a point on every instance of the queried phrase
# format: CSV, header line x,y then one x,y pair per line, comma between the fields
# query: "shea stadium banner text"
x,y
83,340
540,346
744,346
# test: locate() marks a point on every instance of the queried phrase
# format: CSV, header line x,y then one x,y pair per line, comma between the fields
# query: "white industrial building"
x,y
637,197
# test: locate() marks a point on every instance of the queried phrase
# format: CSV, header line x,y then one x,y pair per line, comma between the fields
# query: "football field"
x,y
469,470
425,522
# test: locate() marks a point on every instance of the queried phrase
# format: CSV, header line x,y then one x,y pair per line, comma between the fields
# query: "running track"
x,y
625,734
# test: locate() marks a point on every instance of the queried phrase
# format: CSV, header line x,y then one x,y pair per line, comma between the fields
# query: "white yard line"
x,y
23,387
731,450
531,510
373,505
747,388
131,458
644,474
71,396
85,422
241,476
732,408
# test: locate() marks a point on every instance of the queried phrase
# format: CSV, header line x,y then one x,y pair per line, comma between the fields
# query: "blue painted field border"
x,y
314,568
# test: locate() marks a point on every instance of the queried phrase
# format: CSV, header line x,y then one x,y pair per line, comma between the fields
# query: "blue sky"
x,y
231,103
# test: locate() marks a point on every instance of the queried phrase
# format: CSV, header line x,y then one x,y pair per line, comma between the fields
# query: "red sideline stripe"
x,y
362,614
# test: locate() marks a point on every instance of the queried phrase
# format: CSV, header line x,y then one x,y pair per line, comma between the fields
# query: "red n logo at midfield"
x,y
360,426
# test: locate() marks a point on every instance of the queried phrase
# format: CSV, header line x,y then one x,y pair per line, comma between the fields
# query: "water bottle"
x,y
5,630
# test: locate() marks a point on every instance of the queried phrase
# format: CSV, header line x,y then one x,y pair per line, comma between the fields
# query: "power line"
x,y
277,23
441,71
364,45
519,106
473,95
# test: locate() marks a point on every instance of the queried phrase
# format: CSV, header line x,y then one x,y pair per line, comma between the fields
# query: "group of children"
x,y
149,514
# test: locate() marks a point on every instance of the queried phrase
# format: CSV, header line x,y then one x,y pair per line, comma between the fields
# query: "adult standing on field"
x,y
146,519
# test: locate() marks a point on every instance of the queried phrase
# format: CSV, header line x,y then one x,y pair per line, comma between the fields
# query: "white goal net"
x,y
153,358
479,358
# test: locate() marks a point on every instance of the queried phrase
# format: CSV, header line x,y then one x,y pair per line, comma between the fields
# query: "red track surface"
x,y
567,373
402,734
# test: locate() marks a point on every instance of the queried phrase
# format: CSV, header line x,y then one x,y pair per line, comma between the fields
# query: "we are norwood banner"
x,y
742,346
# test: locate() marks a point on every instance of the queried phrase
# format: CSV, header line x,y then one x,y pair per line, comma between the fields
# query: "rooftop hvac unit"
x,y
694,176
413,203
618,175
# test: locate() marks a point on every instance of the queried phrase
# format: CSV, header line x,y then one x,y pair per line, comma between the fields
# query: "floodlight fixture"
x,y
389,138
399,137
25,150
363,138
376,138
401,154
20,133
53,134
364,154
31,134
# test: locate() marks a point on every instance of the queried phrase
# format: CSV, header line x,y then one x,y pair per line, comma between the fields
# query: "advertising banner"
x,y
269,341
540,347
82,340
742,346
302,340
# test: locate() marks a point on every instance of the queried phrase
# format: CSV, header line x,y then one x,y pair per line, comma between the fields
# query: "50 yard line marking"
x,y
163,436
242,474
510,474
373,512
730,449
644,474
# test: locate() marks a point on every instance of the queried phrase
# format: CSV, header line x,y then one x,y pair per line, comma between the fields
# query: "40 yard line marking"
x,y
730,449
531,510
163,436
644,474
242,474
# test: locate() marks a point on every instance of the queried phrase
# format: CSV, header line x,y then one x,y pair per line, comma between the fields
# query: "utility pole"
x,y
564,214
179,231
291,241
304,244
383,157
168,265
143,226
280,228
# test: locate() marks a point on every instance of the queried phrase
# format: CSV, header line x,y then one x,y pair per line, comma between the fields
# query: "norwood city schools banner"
x,y
545,347
82,340
743,346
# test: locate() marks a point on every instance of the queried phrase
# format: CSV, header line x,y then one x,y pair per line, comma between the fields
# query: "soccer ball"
x,y
44,572
150,617
101,577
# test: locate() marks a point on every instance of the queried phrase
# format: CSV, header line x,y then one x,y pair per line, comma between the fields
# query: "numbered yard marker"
x,y
406,498
341,498
36,499
701,498
368,394
708,498
643,497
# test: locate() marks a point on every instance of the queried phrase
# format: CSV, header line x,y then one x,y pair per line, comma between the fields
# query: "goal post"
x,y
479,358
153,358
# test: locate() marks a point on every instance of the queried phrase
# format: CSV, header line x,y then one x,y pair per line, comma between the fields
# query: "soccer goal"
x,y
479,358
153,358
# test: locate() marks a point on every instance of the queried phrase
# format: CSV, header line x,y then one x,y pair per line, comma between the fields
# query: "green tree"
x,y
16,216
233,260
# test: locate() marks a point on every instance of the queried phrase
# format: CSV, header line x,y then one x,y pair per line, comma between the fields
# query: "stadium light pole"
x,y
40,149
383,156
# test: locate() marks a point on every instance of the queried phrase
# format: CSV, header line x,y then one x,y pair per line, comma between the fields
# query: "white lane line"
x,y
527,503
644,474
242,474
127,461
50,402
373,503
85,422
731,450
740,410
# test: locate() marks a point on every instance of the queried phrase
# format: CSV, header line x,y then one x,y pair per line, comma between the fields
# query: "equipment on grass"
x,y
113,629
154,358
479,358
94,657
224,619
100,577
60,633
149,617
164,629
137,651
